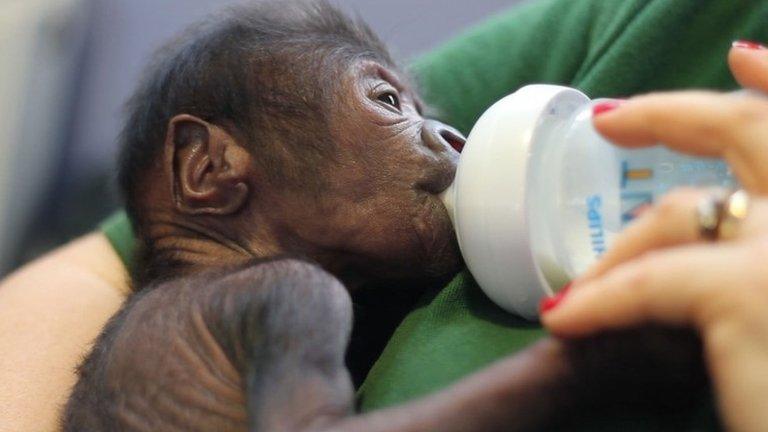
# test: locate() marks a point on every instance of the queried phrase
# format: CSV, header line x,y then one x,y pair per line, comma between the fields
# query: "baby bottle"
x,y
539,195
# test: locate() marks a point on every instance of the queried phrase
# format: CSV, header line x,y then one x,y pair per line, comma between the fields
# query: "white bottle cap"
x,y
495,201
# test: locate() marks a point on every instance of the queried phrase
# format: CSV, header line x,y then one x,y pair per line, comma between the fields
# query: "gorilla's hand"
x,y
184,355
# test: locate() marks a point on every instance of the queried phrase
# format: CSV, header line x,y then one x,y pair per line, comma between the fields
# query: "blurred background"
x,y
67,66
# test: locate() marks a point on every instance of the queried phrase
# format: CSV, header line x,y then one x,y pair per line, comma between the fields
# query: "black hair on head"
x,y
262,69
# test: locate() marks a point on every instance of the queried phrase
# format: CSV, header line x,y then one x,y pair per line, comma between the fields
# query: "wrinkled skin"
x,y
379,213
389,168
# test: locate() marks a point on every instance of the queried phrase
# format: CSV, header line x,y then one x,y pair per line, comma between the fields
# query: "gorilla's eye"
x,y
391,99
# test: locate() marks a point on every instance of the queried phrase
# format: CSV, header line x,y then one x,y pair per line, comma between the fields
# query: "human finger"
x,y
700,123
673,222
669,222
749,64
672,287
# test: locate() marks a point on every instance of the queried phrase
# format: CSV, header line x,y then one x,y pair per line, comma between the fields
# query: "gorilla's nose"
x,y
438,136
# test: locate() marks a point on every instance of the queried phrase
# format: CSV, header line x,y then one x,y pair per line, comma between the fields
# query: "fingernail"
x,y
549,303
605,106
748,45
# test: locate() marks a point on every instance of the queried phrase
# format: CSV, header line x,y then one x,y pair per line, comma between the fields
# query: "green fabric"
x,y
604,48
118,230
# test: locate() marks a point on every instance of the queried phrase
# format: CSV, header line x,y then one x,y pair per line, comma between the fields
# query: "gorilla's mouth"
x,y
454,140
437,182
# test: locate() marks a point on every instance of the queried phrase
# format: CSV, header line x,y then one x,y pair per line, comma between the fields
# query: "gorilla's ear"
x,y
207,167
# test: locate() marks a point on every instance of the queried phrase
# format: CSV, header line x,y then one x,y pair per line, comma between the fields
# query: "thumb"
x,y
749,64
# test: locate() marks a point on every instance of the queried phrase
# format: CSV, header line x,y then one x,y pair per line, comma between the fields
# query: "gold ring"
x,y
719,216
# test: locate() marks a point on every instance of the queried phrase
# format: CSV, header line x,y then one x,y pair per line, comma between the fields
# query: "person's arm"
x,y
50,312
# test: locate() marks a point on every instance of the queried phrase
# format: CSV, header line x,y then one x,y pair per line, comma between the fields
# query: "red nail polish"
x,y
606,106
549,303
748,45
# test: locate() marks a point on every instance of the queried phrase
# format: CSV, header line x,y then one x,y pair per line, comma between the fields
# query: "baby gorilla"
x,y
285,129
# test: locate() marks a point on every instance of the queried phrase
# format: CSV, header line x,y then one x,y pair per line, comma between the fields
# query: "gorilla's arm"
x,y
261,348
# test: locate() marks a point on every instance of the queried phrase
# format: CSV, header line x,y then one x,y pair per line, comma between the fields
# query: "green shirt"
x,y
602,47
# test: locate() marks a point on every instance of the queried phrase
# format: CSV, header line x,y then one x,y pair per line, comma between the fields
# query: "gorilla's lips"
x,y
437,181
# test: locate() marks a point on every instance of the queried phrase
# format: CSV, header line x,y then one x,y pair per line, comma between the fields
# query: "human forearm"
x,y
50,311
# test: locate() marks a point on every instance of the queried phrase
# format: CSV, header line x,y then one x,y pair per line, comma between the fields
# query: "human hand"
x,y
661,271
